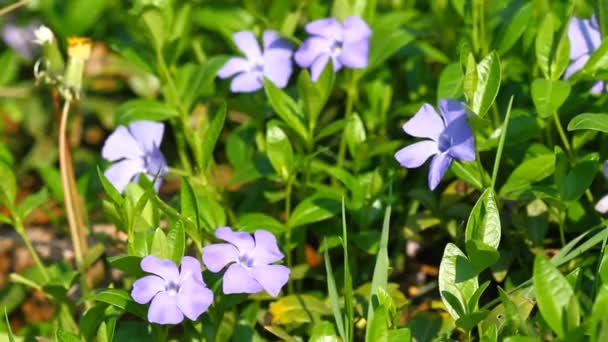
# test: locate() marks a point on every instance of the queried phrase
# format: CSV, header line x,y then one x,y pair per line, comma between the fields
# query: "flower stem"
x,y
562,135
351,92
6,9
501,143
28,244
67,191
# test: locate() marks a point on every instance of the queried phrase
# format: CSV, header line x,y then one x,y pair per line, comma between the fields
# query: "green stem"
x,y
562,228
288,229
501,143
562,135
482,26
480,168
28,244
351,93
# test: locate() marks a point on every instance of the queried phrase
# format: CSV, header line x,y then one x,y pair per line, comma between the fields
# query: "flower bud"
x,y
44,37
79,50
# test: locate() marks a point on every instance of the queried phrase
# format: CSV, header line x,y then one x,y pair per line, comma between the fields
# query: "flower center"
x,y
171,288
445,142
245,260
336,48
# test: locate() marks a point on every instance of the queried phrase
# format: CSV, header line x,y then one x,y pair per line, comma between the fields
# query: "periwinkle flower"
x,y
584,36
450,137
346,44
251,261
135,150
20,38
172,294
273,63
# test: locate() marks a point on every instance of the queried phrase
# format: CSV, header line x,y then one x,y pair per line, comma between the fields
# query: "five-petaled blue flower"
x,y
450,138
584,36
135,149
346,44
274,63
172,294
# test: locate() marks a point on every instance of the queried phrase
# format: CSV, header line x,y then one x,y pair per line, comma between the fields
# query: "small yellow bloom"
x,y
79,47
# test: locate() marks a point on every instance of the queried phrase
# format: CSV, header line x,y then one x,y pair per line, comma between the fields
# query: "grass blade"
x,y
334,299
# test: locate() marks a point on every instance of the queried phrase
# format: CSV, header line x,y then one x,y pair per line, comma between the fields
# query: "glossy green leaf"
x,y
579,177
484,221
110,190
130,264
450,82
549,95
488,82
250,222
314,95
279,150
553,294
544,44
334,299
591,121
176,241
455,288
355,134
529,171
287,109
515,28
142,109
324,332
118,298
399,335
598,60
314,209
159,246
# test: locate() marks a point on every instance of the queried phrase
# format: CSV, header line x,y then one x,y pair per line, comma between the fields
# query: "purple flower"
x,y
584,36
273,63
450,137
346,44
250,261
135,150
173,294
20,38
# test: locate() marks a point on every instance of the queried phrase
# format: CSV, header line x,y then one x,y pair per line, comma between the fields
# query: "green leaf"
x,y
160,247
189,208
355,134
313,209
529,171
598,61
32,201
549,95
287,109
484,221
455,288
8,186
469,84
470,320
481,255
488,82
324,332
515,28
11,337
562,56
314,95
250,222
469,172
579,178
544,44
450,82
399,335
385,42
110,190
376,314
155,23
91,320
279,150
130,264
334,299
176,241
553,294
118,298
211,136
142,109
592,121
197,79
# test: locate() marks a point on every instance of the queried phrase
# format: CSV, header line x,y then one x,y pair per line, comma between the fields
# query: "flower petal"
x,y
164,268
439,165
149,134
217,256
164,310
246,82
416,154
426,123
575,66
452,110
121,144
272,40
584,38
318,65
156,164
144,289
233,66
355,54
238,280
602,205
328,28
266,250
248,44
191,267
271,277
355,29
123,172
277,66
311,49
193,298
598,87
243,241
462,146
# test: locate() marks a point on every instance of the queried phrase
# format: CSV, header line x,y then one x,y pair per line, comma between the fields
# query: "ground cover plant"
x,y
347,170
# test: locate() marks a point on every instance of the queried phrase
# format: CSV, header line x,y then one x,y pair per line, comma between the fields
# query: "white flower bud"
x,y
43,35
